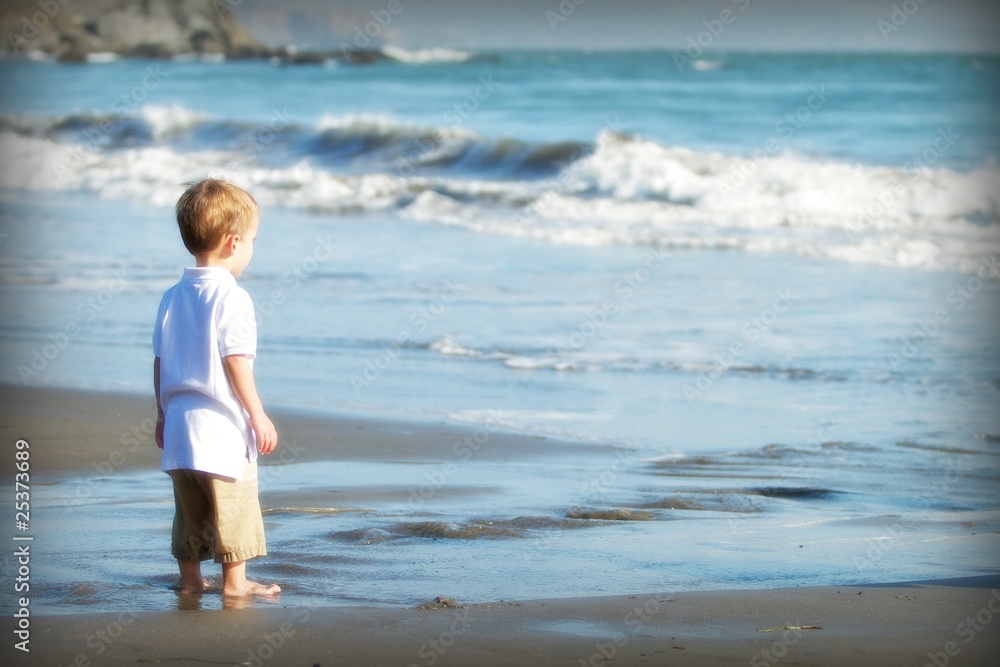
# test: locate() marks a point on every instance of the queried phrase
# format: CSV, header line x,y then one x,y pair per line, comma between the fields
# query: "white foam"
x,y
163,120
706,65
36,161
387,126
424,56
628,191
102,57
632,191
378,122
450,347
554,359
155,175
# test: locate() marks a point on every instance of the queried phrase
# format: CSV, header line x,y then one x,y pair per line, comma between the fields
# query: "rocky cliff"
x,y
72,29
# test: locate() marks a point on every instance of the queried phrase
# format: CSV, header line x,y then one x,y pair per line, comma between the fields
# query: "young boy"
x,y
211,423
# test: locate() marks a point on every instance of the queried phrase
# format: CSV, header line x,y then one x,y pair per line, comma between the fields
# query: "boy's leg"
x,y
191,579
240,534
192,538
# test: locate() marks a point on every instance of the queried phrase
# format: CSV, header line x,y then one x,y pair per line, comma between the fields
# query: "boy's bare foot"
x,y
192,586
252,588
236,584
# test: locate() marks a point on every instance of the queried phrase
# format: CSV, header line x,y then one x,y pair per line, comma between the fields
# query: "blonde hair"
x,y
212,209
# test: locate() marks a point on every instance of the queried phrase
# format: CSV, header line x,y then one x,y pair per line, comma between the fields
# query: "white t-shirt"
x,y
203,318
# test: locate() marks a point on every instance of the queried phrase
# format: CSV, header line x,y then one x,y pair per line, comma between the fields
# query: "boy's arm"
x,y
241,380
160,419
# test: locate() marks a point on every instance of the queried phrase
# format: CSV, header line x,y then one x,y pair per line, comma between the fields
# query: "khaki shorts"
x,y
217,517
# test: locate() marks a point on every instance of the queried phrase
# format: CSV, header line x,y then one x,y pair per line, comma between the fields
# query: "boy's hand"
x,y
267,437
158,436
160,419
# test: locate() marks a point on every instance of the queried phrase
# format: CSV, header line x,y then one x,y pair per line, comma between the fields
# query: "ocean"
x,y
768,278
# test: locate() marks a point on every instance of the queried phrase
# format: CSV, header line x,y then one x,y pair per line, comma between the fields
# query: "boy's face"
x,y
244,248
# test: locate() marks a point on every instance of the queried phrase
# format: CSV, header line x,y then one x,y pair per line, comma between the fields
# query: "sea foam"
x,y
619,189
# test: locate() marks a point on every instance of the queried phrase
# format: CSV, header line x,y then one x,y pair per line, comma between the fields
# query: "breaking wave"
x,y
617,189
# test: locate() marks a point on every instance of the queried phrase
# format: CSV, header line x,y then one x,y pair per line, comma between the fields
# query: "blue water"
x,y
767,267
881,108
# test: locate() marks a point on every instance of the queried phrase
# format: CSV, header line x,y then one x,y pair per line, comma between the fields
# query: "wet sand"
x,y
74,433
900,624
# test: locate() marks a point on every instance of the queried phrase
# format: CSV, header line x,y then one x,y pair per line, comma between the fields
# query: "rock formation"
x,y
72,29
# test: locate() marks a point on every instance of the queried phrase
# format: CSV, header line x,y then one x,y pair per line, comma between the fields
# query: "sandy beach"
x,y
71,432
894,624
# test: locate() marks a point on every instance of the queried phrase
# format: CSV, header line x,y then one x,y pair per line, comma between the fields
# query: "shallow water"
x,y
402,533
799,397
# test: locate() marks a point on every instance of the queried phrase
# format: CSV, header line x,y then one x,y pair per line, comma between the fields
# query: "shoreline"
x,y
81,432
100,432
890,624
